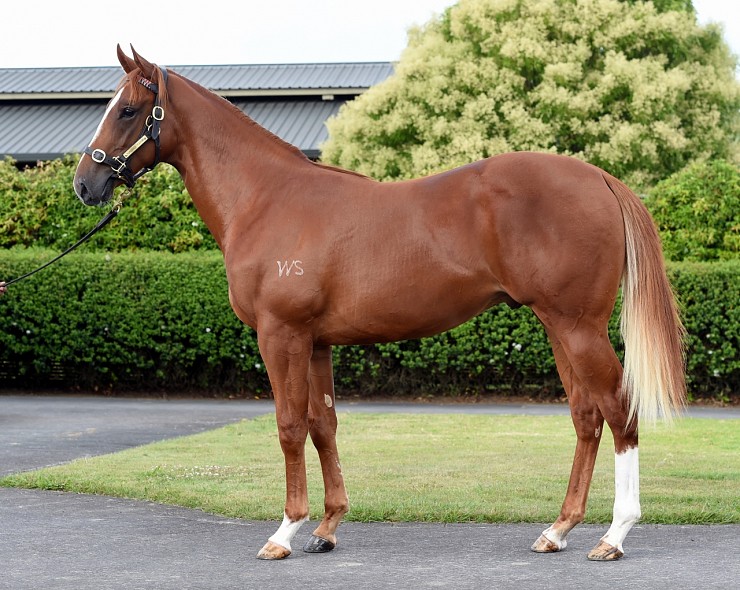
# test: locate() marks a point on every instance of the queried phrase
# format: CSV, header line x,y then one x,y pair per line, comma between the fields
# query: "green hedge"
x,y
159,321
38,208
697,211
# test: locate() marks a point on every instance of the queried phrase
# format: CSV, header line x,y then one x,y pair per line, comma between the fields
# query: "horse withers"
x,y
318,256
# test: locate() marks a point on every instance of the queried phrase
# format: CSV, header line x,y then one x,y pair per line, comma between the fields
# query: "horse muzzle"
x,y
92,192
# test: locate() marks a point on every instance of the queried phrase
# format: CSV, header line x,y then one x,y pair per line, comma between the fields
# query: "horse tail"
x,y
654,356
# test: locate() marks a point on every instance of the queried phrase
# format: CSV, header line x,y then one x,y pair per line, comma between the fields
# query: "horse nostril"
x,y
82,192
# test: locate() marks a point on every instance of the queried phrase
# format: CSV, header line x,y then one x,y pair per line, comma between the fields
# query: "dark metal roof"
x,y
299,122
245,78
46,132
46,113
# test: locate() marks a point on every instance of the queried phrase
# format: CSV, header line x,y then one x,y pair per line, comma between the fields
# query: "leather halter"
x,y
120,164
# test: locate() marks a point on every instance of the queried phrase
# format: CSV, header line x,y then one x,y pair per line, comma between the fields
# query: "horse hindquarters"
x,y
595,383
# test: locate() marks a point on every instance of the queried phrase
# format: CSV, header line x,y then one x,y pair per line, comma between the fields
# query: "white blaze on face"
x,y
109,108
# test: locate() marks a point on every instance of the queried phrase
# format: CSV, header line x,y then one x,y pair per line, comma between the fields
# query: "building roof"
x,y
46,113
241,79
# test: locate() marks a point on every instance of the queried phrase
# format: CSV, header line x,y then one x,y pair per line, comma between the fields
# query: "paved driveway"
x,y
60,540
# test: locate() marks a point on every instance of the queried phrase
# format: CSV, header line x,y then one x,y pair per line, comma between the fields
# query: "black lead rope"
x,y
101,224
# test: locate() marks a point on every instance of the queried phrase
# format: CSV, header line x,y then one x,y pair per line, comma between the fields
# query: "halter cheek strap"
x,y
120,164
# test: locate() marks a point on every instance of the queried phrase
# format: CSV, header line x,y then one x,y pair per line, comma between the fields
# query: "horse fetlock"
x,y
278,546
550,541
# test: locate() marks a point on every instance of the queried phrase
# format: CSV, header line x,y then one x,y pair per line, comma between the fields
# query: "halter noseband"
x,y
120,164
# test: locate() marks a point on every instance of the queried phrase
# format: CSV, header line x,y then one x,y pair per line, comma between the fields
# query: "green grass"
x,y
444,468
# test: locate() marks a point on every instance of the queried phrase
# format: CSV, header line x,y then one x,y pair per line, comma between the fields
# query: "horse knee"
x,y
588,423
292,435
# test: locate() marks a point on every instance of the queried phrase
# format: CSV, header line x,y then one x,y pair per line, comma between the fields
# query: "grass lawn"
x,y
443,468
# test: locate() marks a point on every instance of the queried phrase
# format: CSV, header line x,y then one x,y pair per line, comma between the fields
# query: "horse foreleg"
x,y
322,421
588,424
287,356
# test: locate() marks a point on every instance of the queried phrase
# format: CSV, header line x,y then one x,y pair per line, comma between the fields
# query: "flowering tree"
x,y
637,89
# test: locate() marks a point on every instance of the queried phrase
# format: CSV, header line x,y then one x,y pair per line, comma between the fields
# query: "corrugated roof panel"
x,y
51,80
33,131
301,123
226,77
57,123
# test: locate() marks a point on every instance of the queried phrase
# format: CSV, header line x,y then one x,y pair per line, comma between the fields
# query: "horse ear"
x,y
147,68
126,62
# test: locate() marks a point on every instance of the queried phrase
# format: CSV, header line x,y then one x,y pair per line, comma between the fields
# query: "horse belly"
x,y
406,304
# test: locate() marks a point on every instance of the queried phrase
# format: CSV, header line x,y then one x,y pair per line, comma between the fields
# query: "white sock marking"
x,y
555,537
626,497
286,532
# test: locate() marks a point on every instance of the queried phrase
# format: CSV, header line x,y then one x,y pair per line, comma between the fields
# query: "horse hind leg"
x,y
322,421
595,364
588,423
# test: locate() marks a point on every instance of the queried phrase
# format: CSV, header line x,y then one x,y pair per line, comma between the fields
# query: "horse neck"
x,y
229,164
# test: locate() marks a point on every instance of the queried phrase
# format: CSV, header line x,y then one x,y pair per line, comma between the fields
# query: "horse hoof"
x,y
273,551
545,545
318,545
605,552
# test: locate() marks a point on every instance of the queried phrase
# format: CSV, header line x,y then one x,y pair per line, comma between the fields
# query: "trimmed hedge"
x,y
158,321
38,208
697,211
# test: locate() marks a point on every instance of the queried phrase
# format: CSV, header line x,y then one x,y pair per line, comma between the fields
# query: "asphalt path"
x,y
62,540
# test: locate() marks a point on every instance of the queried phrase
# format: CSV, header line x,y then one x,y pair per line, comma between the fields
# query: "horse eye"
x,y
127,112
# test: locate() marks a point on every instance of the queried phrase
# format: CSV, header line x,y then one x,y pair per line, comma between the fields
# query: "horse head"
x,y
126,143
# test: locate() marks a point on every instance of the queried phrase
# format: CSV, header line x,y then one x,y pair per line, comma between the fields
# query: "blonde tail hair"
x,y
654,356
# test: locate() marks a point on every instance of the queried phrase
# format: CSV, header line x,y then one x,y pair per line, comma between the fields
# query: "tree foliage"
x,y
638,90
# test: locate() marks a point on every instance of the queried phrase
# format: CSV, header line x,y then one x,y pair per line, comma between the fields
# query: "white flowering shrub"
x,y
638,90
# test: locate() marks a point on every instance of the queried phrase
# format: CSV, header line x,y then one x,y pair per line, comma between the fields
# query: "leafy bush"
x,y
148,321
38,207
698,212
710,298
125,321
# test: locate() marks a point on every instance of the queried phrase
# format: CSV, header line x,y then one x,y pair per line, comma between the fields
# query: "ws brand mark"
x,y
285,268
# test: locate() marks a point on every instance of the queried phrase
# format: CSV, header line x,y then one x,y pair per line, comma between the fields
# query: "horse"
x,y
318,256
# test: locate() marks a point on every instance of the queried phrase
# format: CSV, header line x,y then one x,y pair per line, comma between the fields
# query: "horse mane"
x,y
340,170
242,115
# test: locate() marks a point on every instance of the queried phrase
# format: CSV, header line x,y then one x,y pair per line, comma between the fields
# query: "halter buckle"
x,y
158,113
98,156
121,165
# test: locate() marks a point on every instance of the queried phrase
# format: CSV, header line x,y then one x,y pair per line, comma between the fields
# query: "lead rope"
x,y
101,224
